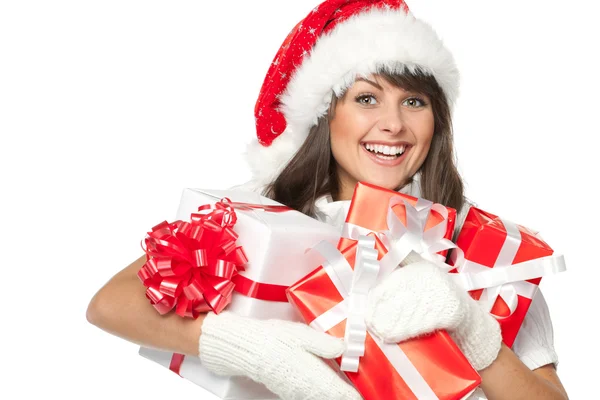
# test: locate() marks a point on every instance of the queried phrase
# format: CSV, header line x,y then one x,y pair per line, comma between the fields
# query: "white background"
x,y
109,109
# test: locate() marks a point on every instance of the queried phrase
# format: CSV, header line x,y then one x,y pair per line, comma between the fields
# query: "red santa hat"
x,y
338,41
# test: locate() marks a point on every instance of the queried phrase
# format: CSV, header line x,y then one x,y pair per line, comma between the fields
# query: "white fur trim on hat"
x,y
390,39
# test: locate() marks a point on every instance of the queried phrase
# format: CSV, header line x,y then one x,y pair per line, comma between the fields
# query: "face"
x,y
380,134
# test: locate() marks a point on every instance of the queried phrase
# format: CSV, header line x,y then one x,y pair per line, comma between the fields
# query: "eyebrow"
x,y
375,84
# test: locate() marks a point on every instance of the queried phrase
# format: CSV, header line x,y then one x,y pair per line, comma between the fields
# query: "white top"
x,y
534,344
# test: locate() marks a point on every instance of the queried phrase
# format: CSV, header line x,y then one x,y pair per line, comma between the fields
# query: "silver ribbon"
x,y
401,240
354,286
366,269
500,280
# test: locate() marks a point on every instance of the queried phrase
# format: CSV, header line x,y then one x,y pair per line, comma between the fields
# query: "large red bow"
x,y
190,265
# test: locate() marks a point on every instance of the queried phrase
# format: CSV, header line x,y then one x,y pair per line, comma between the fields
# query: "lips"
x,y
386,150
386,154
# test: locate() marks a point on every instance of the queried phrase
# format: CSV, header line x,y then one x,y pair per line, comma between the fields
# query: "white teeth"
x,y
386,150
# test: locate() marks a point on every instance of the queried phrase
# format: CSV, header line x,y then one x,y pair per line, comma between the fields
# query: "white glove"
x,y
282,355
421,298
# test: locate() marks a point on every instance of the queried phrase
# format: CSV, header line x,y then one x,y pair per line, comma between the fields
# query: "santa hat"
x,y
337,42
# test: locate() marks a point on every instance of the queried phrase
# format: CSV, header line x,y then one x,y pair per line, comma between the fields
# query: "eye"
x,y
414,102
366,99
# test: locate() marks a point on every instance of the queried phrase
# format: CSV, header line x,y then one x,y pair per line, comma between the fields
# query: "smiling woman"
x,y
381,134
384,129
360,90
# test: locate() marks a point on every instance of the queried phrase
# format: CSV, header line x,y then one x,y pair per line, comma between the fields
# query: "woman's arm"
x,y
508,378
231,345
121,308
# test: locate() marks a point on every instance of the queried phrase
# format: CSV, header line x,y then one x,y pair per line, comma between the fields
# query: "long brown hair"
x,y
312,172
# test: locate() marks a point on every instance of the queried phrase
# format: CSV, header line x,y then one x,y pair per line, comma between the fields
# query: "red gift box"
x,y
370,208
429,367
508,261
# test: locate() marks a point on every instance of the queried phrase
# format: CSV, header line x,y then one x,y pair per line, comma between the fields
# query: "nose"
x,y
391,121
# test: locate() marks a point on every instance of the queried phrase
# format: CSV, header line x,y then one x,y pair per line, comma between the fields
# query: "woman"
x,y
359,91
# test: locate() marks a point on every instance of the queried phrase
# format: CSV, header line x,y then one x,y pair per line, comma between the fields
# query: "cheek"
x,y
423,131
427,139
340,148
336,137
344,131
350,123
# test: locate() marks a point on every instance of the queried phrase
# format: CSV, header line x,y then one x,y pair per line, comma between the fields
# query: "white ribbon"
x,y
354,286
352,231
400,240
500,280
366,269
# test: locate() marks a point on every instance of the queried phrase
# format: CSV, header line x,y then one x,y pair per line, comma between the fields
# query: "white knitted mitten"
x,y
282,355
421,298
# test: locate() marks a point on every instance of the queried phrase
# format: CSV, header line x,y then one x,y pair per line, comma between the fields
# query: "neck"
x,y
345,192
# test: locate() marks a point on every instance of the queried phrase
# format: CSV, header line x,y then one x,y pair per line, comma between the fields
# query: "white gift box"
x,y
275,244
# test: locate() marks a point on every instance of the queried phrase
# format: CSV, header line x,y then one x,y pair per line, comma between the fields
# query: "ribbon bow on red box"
x,y
501,264
333,298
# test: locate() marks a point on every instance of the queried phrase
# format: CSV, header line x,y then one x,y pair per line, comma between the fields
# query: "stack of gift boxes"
x,y
282,264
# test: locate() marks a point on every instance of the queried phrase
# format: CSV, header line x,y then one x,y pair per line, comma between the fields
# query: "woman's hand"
x,y
284,356
421,298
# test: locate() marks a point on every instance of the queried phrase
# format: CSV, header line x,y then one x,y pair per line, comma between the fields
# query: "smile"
x,y
385,152
388,155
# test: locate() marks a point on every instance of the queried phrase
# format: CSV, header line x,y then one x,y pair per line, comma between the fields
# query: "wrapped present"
x,y
332,299
404,223
273,238
501,264
382,228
